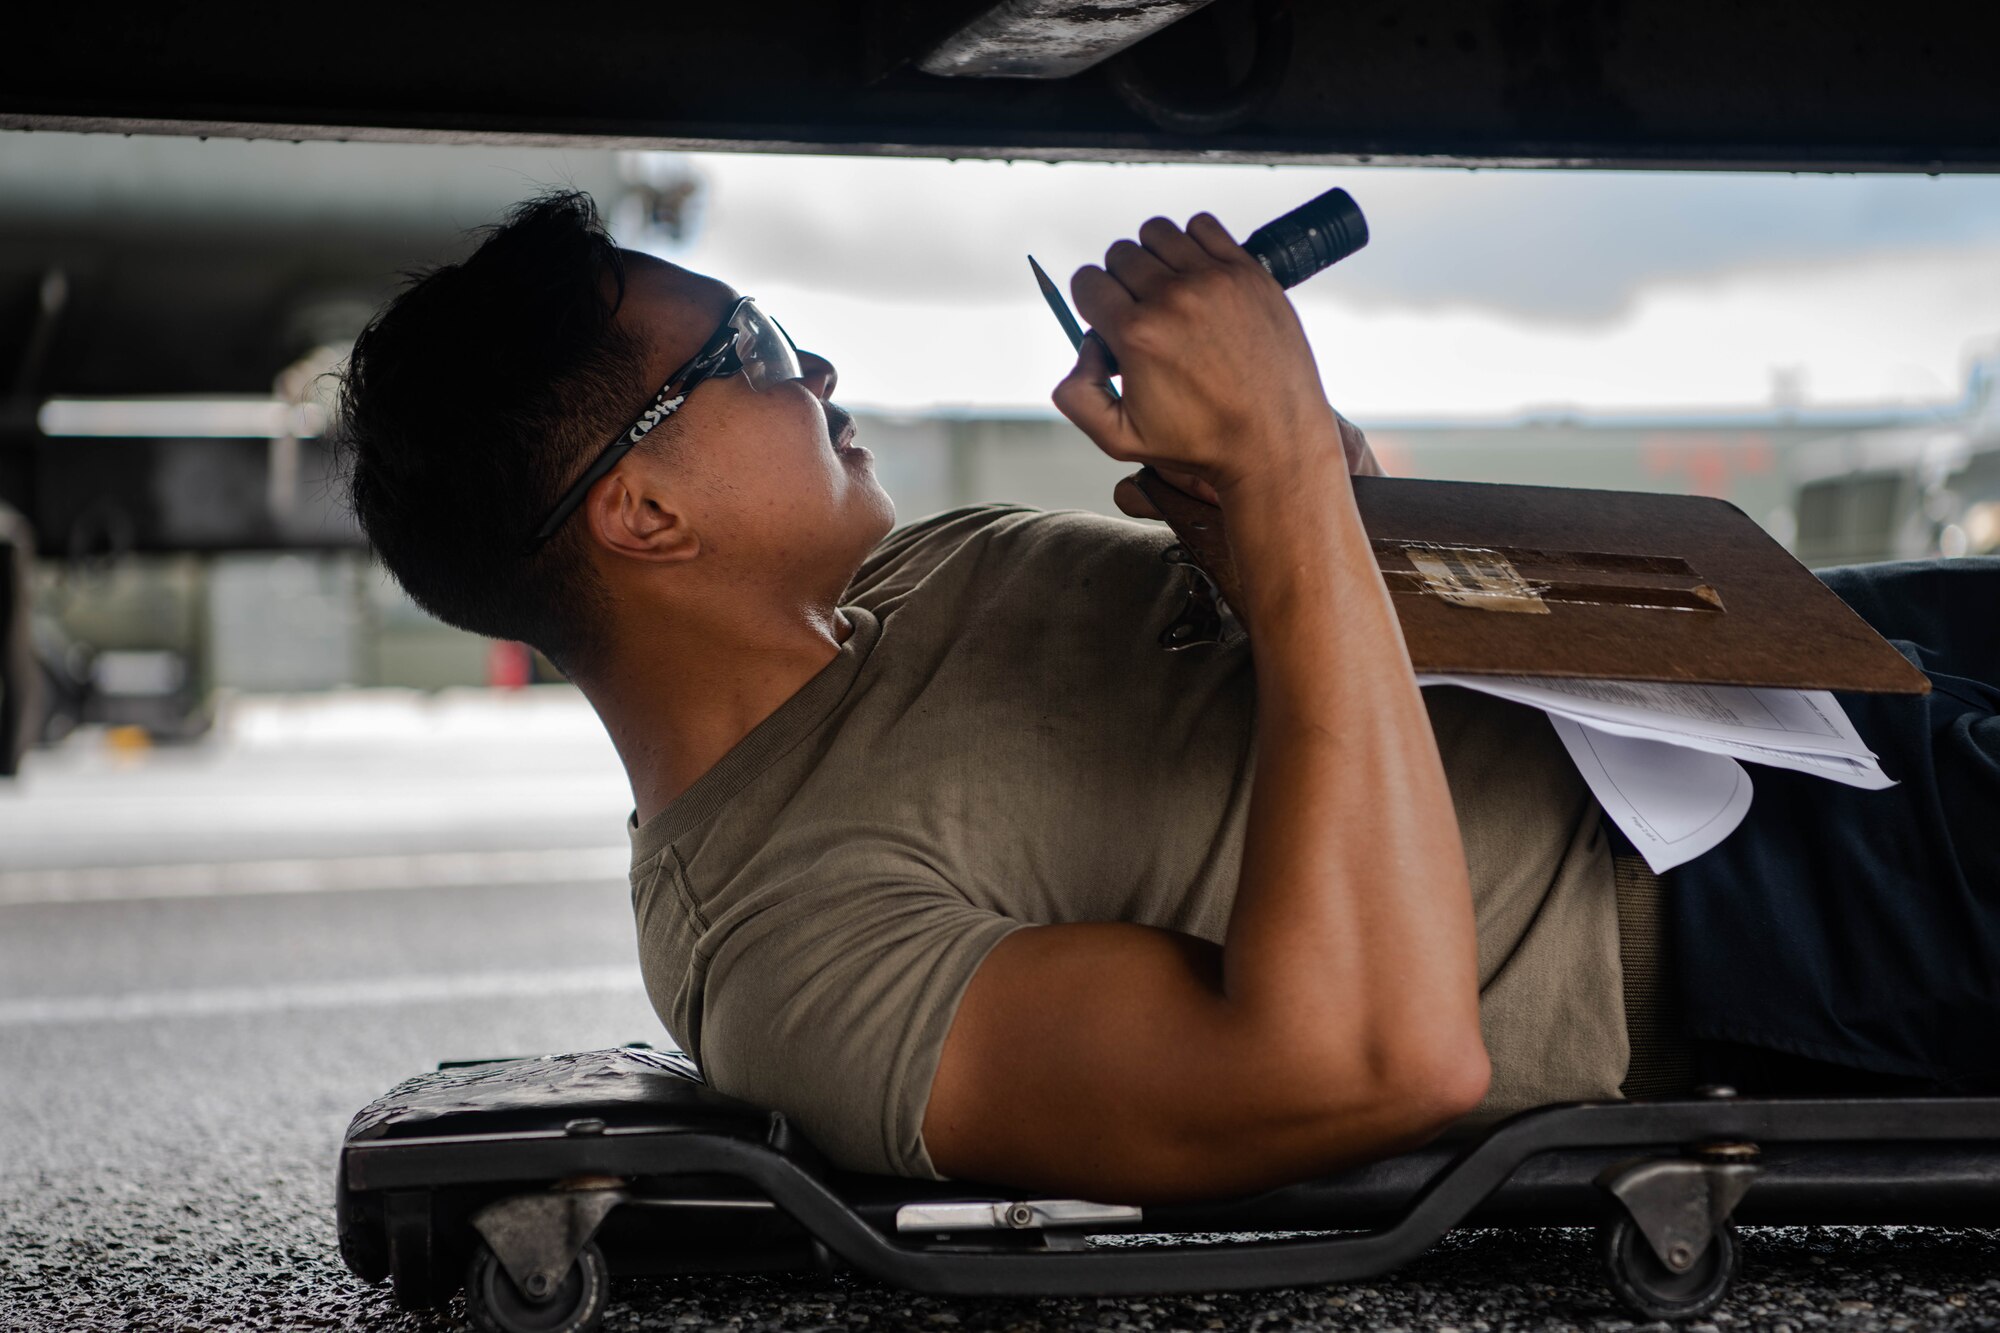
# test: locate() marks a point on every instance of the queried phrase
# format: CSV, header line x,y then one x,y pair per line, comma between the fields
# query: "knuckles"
x,y
1207,223
1177,307
1149,332
1121,250
1196,297
1197,293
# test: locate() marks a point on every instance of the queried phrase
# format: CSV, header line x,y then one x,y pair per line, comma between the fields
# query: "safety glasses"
x,y
747,341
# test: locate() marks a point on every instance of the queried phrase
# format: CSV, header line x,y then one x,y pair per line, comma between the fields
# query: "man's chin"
x,y
885,506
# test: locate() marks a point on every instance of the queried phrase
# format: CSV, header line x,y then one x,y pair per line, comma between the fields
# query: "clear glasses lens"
x,y
766,353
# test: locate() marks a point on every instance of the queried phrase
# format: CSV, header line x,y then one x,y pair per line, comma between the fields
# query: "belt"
x,y
1662,1062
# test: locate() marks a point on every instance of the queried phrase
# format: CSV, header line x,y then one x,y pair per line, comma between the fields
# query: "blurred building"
x,y
1836,487
168,311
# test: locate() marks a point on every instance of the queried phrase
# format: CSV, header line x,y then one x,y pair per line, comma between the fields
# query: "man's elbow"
x,y
1355,1112
1403,1092
1377,1107
1428,1090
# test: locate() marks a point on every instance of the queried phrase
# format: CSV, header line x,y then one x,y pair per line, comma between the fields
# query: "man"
x,y
935,848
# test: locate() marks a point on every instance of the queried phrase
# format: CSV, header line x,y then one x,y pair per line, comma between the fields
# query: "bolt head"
x,y
1680,1258
538,1284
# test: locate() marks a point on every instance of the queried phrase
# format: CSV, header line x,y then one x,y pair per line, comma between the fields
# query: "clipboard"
x,y
1613,585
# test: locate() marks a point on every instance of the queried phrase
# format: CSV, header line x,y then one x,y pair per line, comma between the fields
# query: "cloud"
x,y
1572,247
1481,293
1580,247
1876,329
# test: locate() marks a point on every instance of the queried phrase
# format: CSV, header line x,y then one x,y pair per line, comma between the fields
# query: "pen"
x,y
1063,316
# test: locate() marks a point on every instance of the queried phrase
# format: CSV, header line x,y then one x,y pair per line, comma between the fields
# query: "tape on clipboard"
x,y
1475,576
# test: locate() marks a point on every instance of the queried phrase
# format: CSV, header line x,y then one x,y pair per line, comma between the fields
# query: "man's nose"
x,y
819,374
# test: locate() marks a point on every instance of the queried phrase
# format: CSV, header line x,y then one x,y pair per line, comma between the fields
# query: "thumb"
x,y
1086,397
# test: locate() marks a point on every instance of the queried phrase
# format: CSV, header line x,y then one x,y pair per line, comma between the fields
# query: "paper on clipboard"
x,y
1662,760
1669,638
1671,803
1803,729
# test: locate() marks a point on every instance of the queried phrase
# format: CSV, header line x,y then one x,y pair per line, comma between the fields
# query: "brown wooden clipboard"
x,y
1617,585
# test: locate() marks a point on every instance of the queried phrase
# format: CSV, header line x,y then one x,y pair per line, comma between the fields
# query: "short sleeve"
x,y
832,1006
906,556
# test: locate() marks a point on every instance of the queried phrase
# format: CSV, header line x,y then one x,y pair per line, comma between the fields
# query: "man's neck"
x,y
677,702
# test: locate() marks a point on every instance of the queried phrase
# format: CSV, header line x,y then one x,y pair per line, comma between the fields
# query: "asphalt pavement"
x,y
211,956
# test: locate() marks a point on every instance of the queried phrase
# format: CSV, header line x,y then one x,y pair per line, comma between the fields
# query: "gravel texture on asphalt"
x,y
115,1256
176,1072
176,1176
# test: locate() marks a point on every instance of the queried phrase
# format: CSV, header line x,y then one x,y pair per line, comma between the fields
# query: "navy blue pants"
x,y
1861,929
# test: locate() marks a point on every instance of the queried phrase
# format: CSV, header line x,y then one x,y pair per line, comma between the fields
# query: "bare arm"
x,y
1360,455
1339,1021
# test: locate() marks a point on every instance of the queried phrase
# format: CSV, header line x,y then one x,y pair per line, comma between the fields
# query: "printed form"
x,y
1663,760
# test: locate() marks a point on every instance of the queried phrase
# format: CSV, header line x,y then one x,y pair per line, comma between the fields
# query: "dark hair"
x,y
468,405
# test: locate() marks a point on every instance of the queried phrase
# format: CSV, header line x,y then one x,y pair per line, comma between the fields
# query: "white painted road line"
x,y
374,992
342,874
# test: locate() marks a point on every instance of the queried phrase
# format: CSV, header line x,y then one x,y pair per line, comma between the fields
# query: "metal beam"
x,y
1049,39
1839,85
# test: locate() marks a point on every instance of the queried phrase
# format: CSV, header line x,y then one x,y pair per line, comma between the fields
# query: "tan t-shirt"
x,y
1002,742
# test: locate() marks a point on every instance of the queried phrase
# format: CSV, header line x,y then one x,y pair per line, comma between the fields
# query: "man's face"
x,y
771,479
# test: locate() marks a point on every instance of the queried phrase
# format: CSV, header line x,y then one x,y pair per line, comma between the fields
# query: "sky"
x,y
1481,294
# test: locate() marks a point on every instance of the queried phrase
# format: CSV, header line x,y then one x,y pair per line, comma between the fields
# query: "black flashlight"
x,y
1317,234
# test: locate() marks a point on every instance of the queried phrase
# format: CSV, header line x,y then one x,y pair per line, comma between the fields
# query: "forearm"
x,y
1340,1018
1353,918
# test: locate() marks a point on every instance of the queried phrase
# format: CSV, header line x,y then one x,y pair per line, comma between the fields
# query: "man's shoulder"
x,y
913,551
939,534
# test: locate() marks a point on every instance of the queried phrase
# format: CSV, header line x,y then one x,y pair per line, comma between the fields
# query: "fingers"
x,y
1191,483
1138,270
1086,398
1215,240
1131,500
1100,298
1144,266
1172,245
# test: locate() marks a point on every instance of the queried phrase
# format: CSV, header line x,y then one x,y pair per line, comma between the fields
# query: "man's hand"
x,y
1340,1018
1361,462
1220,386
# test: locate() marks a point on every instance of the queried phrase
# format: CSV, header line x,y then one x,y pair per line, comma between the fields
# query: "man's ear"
x,y
632,516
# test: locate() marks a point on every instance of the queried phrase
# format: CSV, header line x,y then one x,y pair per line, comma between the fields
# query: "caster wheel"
x,y
1652,1290
496,1305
